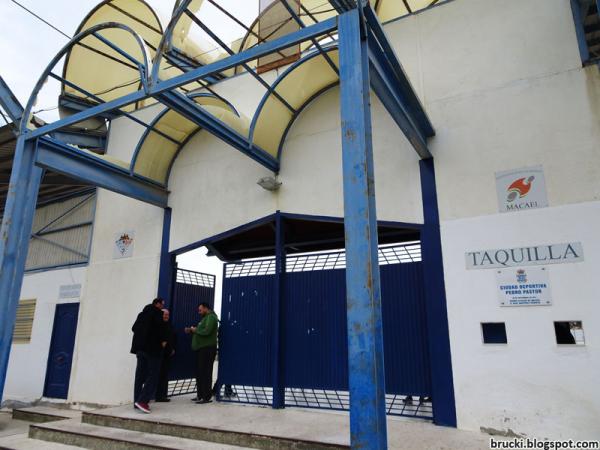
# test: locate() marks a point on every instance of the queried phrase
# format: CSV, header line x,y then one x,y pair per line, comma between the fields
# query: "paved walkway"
x,y
323,426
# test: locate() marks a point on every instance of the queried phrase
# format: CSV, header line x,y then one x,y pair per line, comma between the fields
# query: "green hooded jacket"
x,y
206,332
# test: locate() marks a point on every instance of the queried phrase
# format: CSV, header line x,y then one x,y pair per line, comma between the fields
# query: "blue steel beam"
x,y
9,103
302,25
61,158
363,302
16,228
167,261
392,65
190,109
99,100
444,408
80,139
193,75
278,314
383,85
249,69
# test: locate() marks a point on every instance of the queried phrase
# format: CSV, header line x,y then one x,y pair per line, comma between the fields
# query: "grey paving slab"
x,y
23,442
94,437
307,425
9,426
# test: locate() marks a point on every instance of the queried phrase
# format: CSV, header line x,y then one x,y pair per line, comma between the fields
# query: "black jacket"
x,y
170,337
148,331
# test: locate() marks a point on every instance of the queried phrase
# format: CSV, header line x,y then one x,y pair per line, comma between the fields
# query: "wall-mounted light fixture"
x,y
269,183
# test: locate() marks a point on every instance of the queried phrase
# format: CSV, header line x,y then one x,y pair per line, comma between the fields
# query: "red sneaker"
x,y
144,407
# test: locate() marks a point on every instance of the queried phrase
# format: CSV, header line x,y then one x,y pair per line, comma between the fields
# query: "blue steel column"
x,y
167,261
363,301
442,386
278,314
14,243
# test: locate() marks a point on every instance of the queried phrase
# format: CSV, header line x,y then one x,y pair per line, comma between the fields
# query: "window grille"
x,y
396,405
195,278
393,254
24,322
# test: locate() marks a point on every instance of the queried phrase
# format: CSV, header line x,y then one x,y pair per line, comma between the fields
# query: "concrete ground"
x,y
14,435
11,427
311,425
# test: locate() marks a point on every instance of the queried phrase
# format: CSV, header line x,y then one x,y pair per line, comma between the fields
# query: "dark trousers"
x,y
205,358
163,377
146,377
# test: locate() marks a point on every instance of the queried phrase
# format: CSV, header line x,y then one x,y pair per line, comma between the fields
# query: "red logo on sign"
x,y
519,188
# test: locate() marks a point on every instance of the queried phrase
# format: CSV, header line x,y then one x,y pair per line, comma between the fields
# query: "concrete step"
x,y
24,442
75,433
41,414
150,424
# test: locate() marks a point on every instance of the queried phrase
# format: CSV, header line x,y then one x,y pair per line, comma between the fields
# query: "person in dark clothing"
x,y
147,344
204,343
168,352
228,391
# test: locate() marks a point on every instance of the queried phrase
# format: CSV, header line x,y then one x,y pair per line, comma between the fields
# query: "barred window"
x,y
24,322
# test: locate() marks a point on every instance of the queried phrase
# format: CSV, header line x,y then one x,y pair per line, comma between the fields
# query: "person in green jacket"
x,y
204,343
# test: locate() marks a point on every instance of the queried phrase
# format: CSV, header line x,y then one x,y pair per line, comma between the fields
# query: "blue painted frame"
x,y
10,104
16,229
279,315
444,408
157,88
75,163
157,119
368,428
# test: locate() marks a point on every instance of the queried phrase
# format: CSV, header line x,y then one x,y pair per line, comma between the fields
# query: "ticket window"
x,y
494,333
569,332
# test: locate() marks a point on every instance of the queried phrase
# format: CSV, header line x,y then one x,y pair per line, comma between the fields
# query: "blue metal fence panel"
x,y
316,349
189,291
404,330
315,352
246,331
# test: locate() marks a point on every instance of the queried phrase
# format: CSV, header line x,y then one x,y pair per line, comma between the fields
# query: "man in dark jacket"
x,y
168,353
148,344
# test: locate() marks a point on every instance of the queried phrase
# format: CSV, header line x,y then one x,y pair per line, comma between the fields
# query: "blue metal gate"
x,y
190,289
315,362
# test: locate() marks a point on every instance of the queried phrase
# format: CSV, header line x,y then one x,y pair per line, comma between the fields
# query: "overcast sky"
x,y
27,46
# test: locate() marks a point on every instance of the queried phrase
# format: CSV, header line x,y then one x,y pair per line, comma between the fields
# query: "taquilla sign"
x,y
525,256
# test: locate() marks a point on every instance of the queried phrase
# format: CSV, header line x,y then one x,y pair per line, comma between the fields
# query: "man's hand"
x,y
172,352
163,344
193,329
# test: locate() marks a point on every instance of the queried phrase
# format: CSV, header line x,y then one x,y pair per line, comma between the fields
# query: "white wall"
x,y
502,83
115,291
27,363
213,186
530,385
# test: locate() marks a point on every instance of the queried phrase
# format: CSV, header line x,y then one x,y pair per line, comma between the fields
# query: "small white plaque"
x,y
525,286
69,291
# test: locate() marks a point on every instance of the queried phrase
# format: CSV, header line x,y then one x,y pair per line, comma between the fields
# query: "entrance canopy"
x,y
303,234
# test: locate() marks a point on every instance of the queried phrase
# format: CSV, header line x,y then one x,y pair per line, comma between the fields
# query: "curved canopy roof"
x,y
98,68
110,71
298,85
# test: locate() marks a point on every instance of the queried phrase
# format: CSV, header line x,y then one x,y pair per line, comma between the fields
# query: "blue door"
x,y
60,357
191,288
